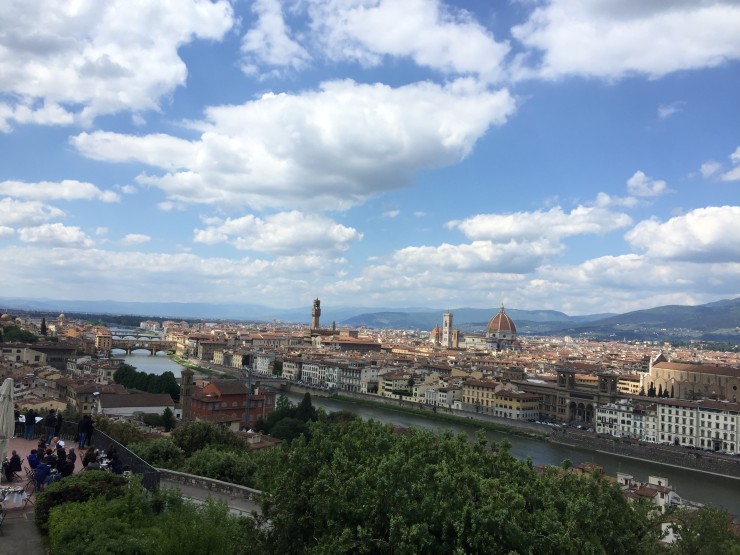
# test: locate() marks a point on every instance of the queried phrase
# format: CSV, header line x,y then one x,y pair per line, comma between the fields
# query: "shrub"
x,y
76,488
122,432
195,435
235,467
159,452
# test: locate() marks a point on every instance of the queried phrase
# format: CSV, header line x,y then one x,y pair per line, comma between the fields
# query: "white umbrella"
x,y
7,415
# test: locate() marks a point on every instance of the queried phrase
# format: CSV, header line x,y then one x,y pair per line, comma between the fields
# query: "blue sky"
x,y
575,155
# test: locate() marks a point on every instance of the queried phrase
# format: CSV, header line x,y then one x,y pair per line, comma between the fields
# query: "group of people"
x,y
51,462
52,423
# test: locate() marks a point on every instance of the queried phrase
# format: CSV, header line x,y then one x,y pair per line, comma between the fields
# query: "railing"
x,y
137,465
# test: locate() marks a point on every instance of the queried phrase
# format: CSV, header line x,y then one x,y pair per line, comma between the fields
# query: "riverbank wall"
x,y
675,456
669,455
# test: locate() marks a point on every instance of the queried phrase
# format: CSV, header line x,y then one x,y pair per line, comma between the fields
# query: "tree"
x,y
277,367
660,390
362,488
289,428
159,452
705,531
43,327
305,410
13,334
197,434
168,419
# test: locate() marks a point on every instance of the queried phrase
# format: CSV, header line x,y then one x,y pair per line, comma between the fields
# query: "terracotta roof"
x,y
501,323
113,401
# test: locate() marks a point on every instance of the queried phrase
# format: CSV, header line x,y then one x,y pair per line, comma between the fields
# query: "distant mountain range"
x,y
719,321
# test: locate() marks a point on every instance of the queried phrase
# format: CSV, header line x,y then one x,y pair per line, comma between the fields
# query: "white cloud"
x,y
269,42
65,62
553,224
734,173
67,189
73,272
611,39
703,235
667,110
55,235
156,150
710,168
6,231
390,214
326,149
284,233
428,32
135,239
101,231
478,256
15,213
641,185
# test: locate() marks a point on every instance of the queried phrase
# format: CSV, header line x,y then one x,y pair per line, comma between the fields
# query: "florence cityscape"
x,y
370,276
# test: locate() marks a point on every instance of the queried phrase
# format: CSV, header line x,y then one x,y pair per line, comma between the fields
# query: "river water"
x,y
695,486
144,362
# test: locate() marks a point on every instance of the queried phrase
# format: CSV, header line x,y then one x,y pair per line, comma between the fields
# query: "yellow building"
x,y
478,395
517,405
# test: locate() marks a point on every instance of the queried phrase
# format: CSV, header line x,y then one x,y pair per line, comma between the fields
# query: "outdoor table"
x,y
15,496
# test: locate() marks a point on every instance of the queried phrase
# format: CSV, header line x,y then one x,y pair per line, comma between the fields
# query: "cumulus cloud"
x,y
65,63
6,231
703,235
55,235
326,149
135,239
269,42
16,213
478,256
734,173
425,31
611,40
284,233
67,189
667,110
553,224
138,276
710,168
641,185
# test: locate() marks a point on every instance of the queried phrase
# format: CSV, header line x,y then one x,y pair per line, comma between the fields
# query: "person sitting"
x,y
72,456
50,458
67,469
90,457
6,471
111,452
61,454
15,464
41,474
115,464
41,445
33,459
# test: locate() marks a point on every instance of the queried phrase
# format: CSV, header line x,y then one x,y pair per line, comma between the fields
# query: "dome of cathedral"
x,y
501,323
5,317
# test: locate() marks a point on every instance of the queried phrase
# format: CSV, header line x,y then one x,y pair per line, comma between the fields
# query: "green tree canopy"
x,y
195,435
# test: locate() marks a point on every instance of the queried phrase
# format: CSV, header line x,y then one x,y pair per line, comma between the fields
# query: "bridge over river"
x,y
143,343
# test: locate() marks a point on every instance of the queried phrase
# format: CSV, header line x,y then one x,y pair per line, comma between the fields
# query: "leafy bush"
x,y
77,487
194,436
122,432
235,467
159,452
138,522
288,429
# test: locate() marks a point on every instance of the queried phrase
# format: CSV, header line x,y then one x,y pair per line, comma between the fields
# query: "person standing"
x,y
58,424
84,431
50,421
30,424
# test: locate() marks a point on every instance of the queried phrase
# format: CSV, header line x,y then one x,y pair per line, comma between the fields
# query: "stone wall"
x,y
665,454
211,484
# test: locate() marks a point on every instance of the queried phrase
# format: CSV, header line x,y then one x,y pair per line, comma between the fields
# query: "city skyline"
x,y
567,155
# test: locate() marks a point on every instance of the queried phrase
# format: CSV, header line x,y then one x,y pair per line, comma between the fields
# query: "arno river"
x,y
695,486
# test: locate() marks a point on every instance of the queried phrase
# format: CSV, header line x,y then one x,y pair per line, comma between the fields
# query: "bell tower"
x,y
315,315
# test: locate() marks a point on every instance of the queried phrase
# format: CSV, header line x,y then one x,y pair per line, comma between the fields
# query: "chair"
x,y
3,512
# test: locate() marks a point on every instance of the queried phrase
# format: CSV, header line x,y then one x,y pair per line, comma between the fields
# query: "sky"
x,y
575,155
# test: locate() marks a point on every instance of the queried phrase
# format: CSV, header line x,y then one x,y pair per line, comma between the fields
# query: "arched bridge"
x,y
151,345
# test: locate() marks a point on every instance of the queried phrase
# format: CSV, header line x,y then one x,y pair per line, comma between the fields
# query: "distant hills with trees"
x,y
716,321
